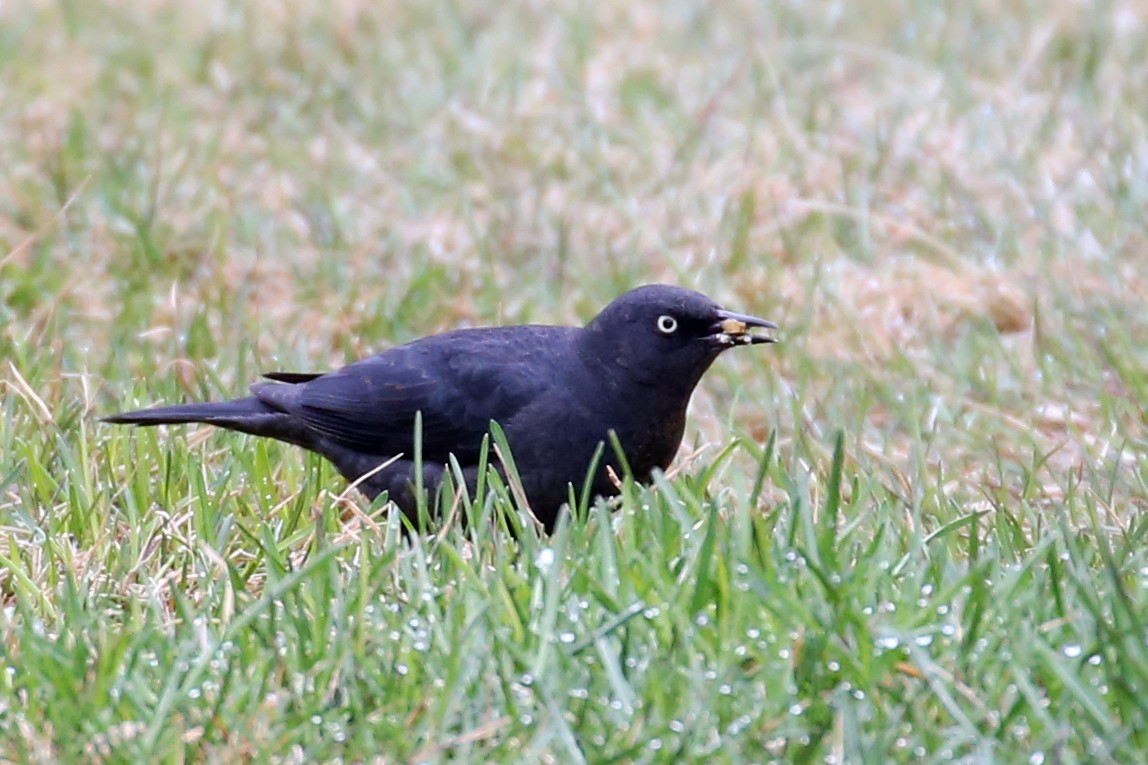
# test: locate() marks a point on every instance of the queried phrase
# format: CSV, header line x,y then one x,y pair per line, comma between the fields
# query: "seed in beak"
x,y
734,327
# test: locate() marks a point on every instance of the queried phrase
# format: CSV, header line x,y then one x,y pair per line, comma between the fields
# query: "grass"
x,y
912,532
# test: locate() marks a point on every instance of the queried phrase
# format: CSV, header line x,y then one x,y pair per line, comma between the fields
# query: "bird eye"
x,y
667,324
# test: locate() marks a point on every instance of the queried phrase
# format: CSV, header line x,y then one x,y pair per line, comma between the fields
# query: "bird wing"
x,y
459,382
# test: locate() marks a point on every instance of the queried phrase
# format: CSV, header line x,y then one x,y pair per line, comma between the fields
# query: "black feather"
x,y
292,377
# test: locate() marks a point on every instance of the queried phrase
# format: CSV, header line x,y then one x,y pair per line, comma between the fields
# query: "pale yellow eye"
x,y
667,324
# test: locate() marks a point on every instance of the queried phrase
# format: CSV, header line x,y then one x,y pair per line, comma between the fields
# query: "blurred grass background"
x,y
944,206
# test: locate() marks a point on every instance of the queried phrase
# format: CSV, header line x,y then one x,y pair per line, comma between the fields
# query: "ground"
x,y
913,531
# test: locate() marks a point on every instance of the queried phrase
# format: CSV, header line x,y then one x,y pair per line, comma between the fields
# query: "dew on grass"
x,y
545,559
1073,650
566,637
794,557
887,642
923,640
737,726
677,726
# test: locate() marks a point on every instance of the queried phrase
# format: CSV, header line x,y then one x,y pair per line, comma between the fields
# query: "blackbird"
x,y
556,392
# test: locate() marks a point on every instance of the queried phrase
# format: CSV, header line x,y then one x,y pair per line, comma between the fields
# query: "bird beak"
x,y
735,329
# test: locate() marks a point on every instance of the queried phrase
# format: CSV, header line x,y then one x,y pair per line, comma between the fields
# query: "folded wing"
x,y
459,382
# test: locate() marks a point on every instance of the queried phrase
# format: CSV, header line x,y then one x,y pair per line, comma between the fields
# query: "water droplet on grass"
x,y
545,559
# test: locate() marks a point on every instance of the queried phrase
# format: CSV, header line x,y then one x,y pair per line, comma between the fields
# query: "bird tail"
x,y
216,412
246,415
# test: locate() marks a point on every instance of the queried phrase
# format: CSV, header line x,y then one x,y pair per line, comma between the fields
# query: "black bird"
x,y
556,392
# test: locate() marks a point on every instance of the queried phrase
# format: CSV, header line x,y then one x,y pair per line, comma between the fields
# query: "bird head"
x,y
668,336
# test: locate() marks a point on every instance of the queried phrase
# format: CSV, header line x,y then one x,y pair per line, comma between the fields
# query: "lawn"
x,y
913,531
